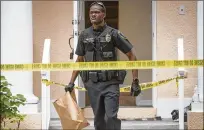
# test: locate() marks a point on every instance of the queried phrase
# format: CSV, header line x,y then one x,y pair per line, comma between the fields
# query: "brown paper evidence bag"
x,y
70,113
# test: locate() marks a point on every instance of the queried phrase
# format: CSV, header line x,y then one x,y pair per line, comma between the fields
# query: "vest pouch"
x,y
84,76
89,56
90,47
110,74
121,75
89,42
93,76
108,55
102,76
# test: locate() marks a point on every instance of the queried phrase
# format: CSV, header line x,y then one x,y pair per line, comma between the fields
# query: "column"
x,y
17,47
200,46
81,27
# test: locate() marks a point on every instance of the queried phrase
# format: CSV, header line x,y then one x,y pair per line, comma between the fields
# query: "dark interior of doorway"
x,y
112,18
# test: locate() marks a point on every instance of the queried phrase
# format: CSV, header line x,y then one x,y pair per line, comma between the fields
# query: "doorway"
x,y
112,19
134,20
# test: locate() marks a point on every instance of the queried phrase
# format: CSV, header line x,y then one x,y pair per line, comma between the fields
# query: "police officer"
x,y
99,43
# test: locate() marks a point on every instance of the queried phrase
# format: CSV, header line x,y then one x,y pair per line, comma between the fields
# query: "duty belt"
x,y
101,76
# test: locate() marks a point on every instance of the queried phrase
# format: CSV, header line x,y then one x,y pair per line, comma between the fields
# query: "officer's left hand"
x,y
135,88
69,87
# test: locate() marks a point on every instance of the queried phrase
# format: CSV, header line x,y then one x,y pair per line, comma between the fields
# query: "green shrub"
x,y
9,105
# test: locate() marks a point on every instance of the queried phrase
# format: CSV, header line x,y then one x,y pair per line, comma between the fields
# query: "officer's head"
x,y
97,12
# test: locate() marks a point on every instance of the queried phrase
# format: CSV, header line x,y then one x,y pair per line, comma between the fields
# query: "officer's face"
x,y
96,15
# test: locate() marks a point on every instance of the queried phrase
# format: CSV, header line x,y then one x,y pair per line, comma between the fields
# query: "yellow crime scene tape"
x,y
113,65
143,86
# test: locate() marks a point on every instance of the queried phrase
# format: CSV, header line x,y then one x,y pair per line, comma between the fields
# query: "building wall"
x,y
52,19
170,27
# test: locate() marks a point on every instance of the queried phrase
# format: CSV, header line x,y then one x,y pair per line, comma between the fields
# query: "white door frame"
x,y
79,8
154,50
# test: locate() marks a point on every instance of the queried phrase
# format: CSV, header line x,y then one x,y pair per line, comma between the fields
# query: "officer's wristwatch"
x,y
135,80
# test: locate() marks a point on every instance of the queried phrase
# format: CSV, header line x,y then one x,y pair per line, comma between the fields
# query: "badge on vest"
x,y
108,37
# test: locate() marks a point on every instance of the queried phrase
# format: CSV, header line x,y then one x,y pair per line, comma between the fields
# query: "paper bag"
x,y
70,113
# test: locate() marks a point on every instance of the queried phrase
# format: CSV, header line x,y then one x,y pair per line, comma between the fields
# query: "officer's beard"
x,y
98,24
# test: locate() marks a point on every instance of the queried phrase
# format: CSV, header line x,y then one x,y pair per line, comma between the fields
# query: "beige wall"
x,y
52,19
135,24
170,26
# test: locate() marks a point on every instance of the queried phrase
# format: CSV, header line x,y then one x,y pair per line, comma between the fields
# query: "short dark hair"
x,y
100,4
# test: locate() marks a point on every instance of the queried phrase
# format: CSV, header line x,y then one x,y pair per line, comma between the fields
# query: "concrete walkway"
x,y
130,124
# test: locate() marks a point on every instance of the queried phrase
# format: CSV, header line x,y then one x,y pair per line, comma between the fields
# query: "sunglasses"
x,y
98,3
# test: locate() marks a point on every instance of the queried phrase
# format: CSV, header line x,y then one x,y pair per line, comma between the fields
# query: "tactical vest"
x,y
99,48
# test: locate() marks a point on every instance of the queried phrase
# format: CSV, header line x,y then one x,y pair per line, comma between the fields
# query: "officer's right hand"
x,y
135,88
69,87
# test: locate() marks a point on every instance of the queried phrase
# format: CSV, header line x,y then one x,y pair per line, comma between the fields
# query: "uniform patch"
x,y
108,37
121,35
90,40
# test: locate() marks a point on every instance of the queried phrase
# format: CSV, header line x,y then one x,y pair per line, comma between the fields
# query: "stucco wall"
x,y
170,27
52,19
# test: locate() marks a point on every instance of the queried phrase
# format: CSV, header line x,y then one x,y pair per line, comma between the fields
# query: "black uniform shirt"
x,y
120,41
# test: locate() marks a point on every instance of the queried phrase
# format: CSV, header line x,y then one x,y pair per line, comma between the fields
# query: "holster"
x,y
121,75
102,76
93,76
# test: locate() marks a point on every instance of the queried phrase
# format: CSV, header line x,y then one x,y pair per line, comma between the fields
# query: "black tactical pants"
x,y
104,99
